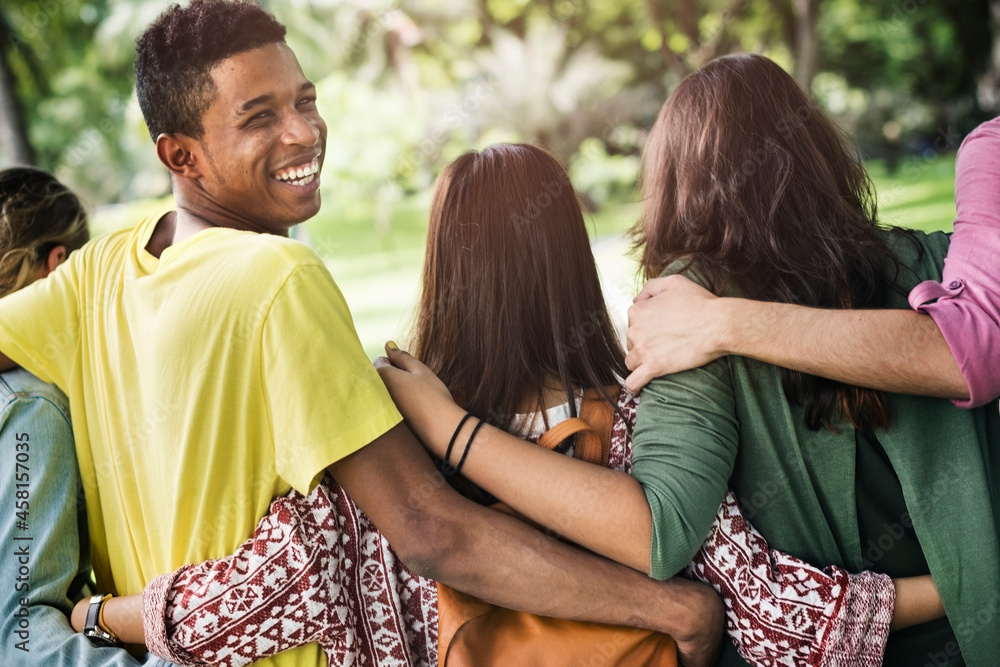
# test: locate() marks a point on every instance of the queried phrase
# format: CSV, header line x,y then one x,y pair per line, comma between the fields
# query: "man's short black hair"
x,y
176,53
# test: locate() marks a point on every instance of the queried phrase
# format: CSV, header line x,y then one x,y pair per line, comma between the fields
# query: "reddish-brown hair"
x,y
511,298
756,191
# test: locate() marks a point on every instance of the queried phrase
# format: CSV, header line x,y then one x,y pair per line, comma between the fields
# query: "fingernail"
x,y
392,345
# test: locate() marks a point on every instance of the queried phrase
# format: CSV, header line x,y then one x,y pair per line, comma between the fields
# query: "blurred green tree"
x,y
411,83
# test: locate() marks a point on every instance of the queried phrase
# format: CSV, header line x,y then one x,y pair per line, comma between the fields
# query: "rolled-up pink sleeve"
x,y
966,303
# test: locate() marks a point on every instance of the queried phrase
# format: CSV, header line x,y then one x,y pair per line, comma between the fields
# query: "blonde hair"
x,y
37,213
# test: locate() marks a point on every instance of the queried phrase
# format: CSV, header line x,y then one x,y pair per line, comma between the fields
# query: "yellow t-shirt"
x,y
202,384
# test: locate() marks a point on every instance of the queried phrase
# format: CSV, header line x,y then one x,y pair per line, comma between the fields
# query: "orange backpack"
x,y
475,633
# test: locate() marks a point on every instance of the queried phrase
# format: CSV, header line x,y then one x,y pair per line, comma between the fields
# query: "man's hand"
x,y
674,325
700,640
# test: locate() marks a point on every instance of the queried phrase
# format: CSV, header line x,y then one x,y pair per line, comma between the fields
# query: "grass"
x,y
378,270
920,195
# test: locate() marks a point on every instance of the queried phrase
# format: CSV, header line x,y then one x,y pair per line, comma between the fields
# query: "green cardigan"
x,y
728,423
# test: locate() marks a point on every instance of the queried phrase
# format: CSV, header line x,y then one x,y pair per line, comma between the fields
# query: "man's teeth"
x,y
299,175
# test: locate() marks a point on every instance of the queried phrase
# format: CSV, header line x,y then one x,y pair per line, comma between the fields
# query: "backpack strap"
x,y
592,429
600,414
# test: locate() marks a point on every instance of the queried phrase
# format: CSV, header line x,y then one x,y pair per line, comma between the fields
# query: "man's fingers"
x,y
653,287
638,379
632,360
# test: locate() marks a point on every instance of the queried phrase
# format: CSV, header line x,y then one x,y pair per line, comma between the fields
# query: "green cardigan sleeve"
x,y
683,454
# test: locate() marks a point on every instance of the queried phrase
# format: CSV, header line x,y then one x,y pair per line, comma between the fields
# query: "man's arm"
x,y
676,325
5,363
442,536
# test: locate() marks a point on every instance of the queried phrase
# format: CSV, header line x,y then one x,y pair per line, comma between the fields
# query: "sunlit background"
x,y
406,87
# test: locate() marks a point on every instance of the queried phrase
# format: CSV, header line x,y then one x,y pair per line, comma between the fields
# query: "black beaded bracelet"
x,y
448,469
468,446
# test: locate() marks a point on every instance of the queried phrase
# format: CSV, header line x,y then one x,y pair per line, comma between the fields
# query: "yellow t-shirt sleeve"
x,y
40,325
324,398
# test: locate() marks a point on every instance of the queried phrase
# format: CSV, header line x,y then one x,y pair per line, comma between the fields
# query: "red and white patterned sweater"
x,y
317,570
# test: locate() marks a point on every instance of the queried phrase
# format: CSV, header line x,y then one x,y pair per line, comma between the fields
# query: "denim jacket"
x,y
44,530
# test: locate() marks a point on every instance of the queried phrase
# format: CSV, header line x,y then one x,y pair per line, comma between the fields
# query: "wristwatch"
x,y
93,627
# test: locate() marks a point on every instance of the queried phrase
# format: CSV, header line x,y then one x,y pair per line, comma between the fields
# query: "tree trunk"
x,y
989,83
806,46
670,58
14,145
687,18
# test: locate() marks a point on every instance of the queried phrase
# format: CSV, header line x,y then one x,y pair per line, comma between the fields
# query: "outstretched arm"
x,y
826,618
675,325
601,509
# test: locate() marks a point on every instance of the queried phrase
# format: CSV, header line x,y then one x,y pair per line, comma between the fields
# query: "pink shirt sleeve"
x,y
966,303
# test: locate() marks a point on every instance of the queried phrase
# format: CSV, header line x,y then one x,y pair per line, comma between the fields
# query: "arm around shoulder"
x,y
676,325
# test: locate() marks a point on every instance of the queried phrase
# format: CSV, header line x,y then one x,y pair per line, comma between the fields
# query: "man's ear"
x,y
176,153
56,257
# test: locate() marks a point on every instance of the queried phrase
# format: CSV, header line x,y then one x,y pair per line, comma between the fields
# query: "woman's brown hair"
x,y
37,213
511,297
750,186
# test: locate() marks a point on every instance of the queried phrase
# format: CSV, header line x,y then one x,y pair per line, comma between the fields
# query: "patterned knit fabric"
x,y
317,570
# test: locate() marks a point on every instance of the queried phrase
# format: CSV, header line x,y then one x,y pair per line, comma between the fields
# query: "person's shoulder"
x,y
685,268
921,254
19,384
987,130
274,253
109,247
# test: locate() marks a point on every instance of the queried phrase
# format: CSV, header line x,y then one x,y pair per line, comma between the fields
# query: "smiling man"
x,y
212,363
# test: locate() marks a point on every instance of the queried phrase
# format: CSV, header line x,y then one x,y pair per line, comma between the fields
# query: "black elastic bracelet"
x,y
454,437
468,446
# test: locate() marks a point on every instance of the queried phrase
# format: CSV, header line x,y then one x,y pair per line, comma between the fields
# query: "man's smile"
x,y
302,174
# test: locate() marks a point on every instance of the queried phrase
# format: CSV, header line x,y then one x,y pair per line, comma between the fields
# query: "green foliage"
x,y
406,85
917,60
70,92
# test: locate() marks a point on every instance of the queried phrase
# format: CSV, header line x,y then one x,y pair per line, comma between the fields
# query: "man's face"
x,y
263,143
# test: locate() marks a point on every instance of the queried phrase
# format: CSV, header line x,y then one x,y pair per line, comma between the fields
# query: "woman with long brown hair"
x,y
750,190
512,316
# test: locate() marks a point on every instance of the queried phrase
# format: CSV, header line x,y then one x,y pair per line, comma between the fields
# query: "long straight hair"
x,y
511,297
749,185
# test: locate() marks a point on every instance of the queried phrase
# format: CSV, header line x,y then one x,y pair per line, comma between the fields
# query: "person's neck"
x,y
192,215
173,228
554,394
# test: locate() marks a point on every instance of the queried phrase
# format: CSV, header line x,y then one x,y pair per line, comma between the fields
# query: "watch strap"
x,y
93,627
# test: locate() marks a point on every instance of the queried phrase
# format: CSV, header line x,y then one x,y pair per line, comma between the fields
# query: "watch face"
x,y
98,640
